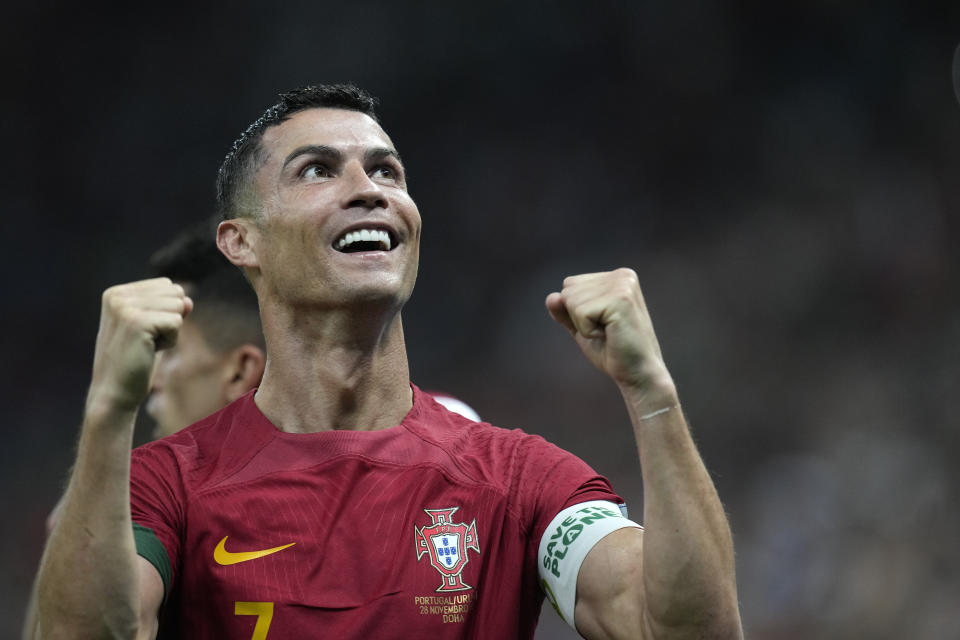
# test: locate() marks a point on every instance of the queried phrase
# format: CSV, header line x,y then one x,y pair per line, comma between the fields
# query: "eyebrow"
x,y
379,153
334,155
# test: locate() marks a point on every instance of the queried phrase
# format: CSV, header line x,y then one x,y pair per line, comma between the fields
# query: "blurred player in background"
x,y
220,353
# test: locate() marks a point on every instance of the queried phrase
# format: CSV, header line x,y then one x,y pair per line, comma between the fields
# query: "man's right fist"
x,y
136,320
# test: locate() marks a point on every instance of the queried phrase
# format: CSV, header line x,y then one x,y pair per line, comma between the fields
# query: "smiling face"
x,y
336,224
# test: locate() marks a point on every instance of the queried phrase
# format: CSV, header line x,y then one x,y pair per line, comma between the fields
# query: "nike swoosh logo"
x,y
224,557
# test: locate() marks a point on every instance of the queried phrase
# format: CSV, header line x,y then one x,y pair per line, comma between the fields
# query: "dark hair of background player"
x,y
226,309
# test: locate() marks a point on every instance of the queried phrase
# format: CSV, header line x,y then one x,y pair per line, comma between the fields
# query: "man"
x,y
220,353
334,501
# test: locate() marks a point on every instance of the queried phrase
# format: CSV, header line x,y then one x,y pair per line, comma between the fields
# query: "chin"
x,y
379,295
164,429
388,294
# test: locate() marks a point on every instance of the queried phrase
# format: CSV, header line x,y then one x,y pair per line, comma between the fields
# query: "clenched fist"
x,y
136,320
607,316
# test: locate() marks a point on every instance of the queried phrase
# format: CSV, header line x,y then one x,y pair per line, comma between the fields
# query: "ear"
x,y
236,239
245,369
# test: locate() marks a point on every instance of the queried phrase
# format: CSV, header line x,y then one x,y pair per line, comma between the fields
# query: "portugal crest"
x,y
446,542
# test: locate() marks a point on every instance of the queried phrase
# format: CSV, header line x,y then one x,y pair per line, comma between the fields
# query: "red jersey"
x,y
424,530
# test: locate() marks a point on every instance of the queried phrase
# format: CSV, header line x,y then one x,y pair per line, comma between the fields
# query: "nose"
x,y
362,191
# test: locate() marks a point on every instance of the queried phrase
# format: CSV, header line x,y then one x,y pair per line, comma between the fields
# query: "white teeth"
x,y
366,235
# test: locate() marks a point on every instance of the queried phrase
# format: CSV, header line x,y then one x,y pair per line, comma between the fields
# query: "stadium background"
x,y
784,177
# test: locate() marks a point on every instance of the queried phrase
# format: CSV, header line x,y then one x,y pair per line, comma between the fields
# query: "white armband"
x,y
566,542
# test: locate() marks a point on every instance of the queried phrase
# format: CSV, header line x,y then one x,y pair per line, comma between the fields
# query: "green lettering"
x,y
572,534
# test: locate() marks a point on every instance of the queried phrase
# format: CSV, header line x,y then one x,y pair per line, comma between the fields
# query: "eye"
x,y
385,172
315,170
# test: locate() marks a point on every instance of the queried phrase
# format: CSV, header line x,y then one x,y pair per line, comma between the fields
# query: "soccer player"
x,y
220,353
339,500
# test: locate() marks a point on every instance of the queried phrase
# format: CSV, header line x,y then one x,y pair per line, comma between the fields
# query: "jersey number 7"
x,y
264,613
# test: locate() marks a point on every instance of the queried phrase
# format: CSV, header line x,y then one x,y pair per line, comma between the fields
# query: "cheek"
x,y
186,375
412,214
201,396
285,250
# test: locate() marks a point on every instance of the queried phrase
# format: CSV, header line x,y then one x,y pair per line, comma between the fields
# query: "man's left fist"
x,y
607,316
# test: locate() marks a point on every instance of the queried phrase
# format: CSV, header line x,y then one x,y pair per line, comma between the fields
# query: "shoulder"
x,y
506,457
450,430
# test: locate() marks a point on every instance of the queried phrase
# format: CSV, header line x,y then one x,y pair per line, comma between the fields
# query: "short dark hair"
x,y
226,309
245,154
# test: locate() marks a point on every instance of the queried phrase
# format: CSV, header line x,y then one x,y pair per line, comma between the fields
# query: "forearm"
x,y
688,563
87,584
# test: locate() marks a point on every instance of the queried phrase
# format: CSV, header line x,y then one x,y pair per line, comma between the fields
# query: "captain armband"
x,y
566,542
152,550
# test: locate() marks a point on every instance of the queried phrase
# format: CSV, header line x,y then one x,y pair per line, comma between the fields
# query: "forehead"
x,y
339,128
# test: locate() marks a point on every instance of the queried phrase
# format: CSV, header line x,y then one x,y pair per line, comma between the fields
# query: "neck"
x,y
334,370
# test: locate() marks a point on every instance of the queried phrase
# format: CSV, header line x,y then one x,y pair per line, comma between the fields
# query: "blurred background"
x,y
784,177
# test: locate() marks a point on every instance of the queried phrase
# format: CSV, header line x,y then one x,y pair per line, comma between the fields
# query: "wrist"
x,y
105,407
654,392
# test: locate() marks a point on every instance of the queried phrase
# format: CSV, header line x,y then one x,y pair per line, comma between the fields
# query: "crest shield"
x,y
446,543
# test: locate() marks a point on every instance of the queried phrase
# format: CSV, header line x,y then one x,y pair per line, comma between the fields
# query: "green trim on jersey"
x,y
150,548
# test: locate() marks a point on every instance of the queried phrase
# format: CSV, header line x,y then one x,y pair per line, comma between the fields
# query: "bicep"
x,y
151,597
610,598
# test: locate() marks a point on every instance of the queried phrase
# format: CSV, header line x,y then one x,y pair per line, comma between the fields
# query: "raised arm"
x,y
91,583
674,578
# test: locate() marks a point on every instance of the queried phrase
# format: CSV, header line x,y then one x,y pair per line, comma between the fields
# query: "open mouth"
x,y
364,240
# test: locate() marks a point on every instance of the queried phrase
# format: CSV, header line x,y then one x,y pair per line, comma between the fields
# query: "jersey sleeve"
x,y
549,480
157,508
